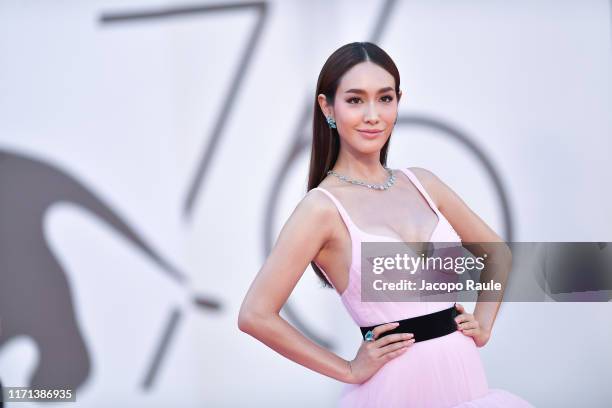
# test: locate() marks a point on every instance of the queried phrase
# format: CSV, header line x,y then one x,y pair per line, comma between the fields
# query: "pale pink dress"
x,y
443,372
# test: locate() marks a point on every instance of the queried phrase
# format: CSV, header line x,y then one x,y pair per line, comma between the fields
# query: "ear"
x,y
326,108
399,95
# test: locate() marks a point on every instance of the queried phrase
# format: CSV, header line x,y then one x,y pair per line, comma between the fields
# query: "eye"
x,y
389,99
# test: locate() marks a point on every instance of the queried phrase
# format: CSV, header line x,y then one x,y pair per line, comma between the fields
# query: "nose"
x,y
371,114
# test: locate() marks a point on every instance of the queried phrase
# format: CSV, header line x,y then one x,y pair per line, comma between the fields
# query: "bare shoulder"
x,y
309,227
441,193
317,208
317,200
426,177
432,183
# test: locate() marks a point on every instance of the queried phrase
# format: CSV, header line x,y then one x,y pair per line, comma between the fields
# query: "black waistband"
x,y
425,327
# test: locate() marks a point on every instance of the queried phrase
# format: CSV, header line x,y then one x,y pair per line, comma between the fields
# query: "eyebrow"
x,y
361,91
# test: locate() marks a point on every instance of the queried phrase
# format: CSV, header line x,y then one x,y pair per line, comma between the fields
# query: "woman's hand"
x,y
372,355
469,326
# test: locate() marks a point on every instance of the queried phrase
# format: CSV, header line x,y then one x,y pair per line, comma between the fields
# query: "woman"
x,y
353,197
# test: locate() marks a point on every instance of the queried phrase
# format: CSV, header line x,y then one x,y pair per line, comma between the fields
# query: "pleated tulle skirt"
x,y
443,372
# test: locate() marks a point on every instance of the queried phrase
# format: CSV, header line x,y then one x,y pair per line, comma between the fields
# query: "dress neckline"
x,y
415,182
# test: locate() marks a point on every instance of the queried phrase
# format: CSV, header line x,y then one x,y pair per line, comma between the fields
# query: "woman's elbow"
x,y
253,321
245,321
249,319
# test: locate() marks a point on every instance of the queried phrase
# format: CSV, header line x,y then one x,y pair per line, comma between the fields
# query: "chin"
x,y
370,147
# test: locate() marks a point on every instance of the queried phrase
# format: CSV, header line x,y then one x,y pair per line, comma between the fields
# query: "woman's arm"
x,y
307,230
471,228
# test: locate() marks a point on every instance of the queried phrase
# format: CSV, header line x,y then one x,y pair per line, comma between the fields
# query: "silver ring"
x,y
369,336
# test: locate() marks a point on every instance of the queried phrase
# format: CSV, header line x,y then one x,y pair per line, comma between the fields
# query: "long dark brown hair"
x,y
325,140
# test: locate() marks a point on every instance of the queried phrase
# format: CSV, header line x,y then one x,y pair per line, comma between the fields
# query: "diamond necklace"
x,y
383,186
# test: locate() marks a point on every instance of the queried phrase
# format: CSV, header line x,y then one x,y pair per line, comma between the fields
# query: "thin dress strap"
x,y
420,187
343,213
347,221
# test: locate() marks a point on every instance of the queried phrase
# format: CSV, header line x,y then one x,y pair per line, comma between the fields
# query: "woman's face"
x,y
365,101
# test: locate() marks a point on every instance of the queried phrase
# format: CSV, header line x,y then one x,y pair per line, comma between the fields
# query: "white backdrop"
x,y
129,109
